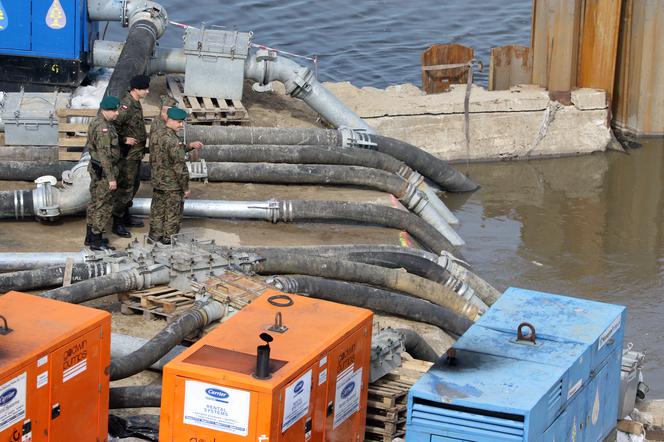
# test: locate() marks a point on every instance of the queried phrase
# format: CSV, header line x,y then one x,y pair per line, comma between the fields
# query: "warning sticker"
x,y
12,401
217,408
347,396
296,404
608,333
42,379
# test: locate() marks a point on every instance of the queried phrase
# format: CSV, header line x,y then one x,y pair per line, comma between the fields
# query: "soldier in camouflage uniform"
x,y
170,178
104,152
130,127
158,123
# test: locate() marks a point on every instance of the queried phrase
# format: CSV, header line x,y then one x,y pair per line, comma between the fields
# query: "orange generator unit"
x,y
54,360
285,368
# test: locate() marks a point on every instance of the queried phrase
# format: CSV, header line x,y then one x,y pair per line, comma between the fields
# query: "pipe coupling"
x,y
300,84
414,200
263,57
137,10
19,203
42,199
283,283
356,138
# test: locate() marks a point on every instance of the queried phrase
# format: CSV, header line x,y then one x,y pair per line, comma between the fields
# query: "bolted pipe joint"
x,y
42,199
139,10
300,85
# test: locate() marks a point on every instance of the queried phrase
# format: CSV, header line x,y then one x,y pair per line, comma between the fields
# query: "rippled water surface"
x,y
588,226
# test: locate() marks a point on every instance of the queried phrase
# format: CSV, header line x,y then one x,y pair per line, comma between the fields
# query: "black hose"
x,y
16,204
397,280
263,135
135,396
416,346
376,299
393,259
134,58
376,214
428,165
95,288
295,154
308,174
31,170
434,168
49,276
173,334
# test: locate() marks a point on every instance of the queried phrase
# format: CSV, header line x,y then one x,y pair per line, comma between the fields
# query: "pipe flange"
x,y
300,85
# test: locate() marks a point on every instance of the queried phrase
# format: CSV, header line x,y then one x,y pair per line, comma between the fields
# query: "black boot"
x,y
89,234
131,221
119,228
99,243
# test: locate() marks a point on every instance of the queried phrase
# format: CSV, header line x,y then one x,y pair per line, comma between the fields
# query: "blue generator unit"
x,y
535,367
44,44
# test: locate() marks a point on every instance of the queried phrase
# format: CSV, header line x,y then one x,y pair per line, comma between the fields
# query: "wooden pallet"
x,y
207,110
72,135
233,288
156,302
387,401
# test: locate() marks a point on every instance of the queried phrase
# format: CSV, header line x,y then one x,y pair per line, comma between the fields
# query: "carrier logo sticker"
x,y
7,396
4,21
55,17
217,395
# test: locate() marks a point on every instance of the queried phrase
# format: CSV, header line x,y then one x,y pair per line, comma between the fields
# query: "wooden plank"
x,y
555,43
66,112
69,268
436,81
599,44
510,65
63,155
73,127
72,141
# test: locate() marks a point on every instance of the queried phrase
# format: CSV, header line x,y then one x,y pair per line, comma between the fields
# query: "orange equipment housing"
x,y
317,389
53,371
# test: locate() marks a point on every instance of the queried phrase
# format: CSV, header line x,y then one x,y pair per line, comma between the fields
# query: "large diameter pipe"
x,y
376,299
300,82
16,204
123,281
134,396
134,58
11,262
200,315
106,10
50,276
123,345
289,211
164,61
392,279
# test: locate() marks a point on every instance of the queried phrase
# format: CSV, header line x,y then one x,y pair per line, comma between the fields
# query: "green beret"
x,y
175,113
168,101
110,102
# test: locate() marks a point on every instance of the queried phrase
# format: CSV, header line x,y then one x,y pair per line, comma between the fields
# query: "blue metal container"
x,y
556,380
46,28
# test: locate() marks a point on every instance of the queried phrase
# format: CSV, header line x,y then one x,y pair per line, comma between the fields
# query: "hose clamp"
x,y
357,138
19,205
286,211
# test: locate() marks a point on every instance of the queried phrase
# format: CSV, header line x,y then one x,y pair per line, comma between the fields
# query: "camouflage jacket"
x,y
103,146
156,126
167,157
130,124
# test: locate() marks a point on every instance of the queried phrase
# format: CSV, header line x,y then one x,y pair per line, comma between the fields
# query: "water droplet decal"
x,y
4,20
55,17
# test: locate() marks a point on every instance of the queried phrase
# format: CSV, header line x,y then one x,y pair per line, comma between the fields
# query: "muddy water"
x,y
588,226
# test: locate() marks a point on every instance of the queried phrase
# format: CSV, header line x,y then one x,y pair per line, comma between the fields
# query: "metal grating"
x,y
472,423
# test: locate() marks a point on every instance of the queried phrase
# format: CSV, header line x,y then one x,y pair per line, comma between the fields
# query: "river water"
x,y
586,226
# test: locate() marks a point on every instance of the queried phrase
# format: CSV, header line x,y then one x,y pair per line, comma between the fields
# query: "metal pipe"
x,y
106,10
265,66
11,262
164,61
215,209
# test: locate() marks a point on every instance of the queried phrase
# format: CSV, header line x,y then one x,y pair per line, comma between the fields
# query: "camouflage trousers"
x,y
101,202
128,184
166,212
